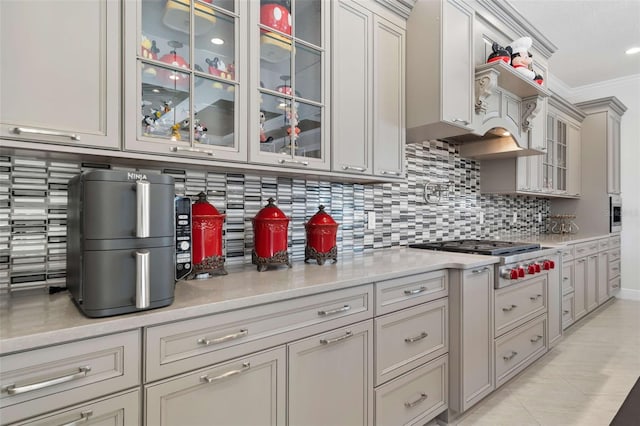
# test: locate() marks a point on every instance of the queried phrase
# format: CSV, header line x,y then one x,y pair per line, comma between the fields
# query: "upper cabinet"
x,y
60,78
440,70
289,80
185,79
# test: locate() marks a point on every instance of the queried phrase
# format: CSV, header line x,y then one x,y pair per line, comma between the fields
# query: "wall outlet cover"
x,y
371,220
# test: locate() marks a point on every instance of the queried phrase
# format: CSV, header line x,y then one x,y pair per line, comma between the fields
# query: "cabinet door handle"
x,y
477,271
412,404
357,169
510,357
417,338
285,161
245,366
79,374
566,311
84,417
581,260
510,308
536,297
390,172
536,339
415,291
19,130
460,120
345,308
193,150
565,278
347,335
207,342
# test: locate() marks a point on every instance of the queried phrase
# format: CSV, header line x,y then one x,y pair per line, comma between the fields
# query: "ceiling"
x,y
591,36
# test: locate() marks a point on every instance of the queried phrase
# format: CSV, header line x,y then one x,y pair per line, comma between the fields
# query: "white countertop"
x,y
555,240
29,321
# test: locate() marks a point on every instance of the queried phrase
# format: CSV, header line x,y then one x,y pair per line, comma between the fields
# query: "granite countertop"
x,y
29,321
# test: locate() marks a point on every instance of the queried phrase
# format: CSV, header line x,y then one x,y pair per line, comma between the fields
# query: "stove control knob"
x,y
509,274
546,265
521,272
552,264
531,269
537,266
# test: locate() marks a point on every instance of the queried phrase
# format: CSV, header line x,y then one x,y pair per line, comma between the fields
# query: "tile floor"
x,y
582,381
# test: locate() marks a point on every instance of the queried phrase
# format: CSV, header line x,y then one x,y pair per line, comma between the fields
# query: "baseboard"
x,y
629,294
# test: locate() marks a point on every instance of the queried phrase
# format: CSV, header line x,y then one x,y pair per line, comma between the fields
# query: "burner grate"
x,y
487,247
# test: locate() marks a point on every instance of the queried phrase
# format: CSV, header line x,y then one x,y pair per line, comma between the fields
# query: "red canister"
x,y
206,238
321,238
270,239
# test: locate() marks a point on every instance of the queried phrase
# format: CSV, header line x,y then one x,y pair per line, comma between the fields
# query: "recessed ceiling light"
x,y
155,91
217,41
633,50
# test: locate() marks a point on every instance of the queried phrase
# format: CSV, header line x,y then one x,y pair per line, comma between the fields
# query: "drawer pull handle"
x,y
84,417
417,338
357,169
193,150
245,366
510,308
536,297
345,308
565,278
207,342
615,286
18,130
581,260
82,372
566,311
477,271
536,339
415,291
510,357
347,335
412,404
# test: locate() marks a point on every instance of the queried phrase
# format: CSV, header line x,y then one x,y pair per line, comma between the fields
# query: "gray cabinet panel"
x,y
554,302
592,282
602,278
580,288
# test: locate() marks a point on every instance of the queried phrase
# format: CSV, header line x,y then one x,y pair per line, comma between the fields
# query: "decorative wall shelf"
x,y
512,81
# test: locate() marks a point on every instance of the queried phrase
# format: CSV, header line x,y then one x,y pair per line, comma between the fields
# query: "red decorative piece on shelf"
x,y
321,238
206,230
270,237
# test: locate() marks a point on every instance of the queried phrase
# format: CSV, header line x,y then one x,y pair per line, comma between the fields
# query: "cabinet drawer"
x,y
614,269
186,345
404,292
603,244
567,277
567,310
43,380
519,348
567,253
614,286
123,409
408,338
586,249
519,303
614,242
415,398
614,254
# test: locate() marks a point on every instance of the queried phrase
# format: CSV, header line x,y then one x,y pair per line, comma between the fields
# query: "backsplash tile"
x,y
33,209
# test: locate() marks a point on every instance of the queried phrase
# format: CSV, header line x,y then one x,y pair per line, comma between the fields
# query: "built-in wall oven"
x,y
615,213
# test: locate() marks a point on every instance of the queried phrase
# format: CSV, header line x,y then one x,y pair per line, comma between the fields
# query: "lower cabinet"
x,y
554,303
330,380
580,288
245,391
592,282
602,280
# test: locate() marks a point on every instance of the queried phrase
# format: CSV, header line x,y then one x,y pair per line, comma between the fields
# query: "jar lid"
x,y
321,218
270,212
203,208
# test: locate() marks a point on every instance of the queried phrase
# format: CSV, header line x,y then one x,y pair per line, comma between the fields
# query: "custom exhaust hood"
x,y
496,143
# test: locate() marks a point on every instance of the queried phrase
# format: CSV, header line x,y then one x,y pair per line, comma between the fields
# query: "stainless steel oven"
x,y
615,213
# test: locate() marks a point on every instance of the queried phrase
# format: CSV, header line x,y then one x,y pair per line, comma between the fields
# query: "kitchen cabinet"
x,y
289,78
614,266
603,278
592,282
61,83
554,304
330,377
440,70
580,289
244,391
186,78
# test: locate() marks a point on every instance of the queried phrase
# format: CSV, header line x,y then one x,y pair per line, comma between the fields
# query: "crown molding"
x,y
596,105
401,8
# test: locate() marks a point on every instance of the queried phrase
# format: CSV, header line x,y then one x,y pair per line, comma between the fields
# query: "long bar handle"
x,y
82,372
346,335
84,417
415,291
417,338
345,308
143,273
389,172
143,209
19,130
284,161
477,271
245,366
207,342
357,169
193,150
412,404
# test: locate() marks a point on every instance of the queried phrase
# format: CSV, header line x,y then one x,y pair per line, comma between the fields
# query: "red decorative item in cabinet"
x,y
321,238
170,78
206,239
275,14
270,240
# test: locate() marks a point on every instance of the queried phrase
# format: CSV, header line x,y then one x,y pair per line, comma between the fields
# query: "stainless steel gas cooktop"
x,y
486,247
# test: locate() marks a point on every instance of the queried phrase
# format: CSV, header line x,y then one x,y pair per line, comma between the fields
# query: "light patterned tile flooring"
x,y
581,381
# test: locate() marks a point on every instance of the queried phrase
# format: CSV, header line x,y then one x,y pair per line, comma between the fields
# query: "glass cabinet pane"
x,y
308,72
165,102
215,45
308,21
306,125
165,31
275,124
214,121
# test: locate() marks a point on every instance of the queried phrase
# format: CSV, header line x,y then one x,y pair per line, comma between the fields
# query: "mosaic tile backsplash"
x,y
33,198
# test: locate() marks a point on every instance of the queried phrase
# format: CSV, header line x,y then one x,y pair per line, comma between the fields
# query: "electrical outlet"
x,y
515,217
539,217
481,218
371,220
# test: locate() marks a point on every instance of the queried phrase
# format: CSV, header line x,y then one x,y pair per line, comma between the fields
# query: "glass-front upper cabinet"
x,y
186,61
290,80
555,159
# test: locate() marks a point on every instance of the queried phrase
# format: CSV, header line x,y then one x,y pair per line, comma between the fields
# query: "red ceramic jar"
x,y
270,237
206,237
321,237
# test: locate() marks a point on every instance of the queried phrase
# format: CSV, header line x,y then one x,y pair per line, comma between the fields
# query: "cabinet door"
x,y
61,72
592,282
554,303
185,77
613,154
244,391
574,167
331,378
580,288
603,277
388,98
352,103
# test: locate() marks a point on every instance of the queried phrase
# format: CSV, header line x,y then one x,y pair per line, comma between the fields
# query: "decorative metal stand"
x,y
212,265
279,258
311,253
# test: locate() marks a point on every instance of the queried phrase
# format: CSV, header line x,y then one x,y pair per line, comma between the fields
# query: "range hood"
x,y
496,143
